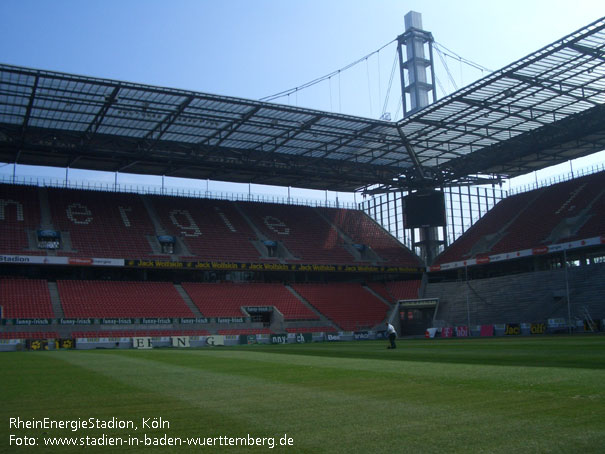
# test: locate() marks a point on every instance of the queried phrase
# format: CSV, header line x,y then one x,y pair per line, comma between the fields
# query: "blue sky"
x,y
253,49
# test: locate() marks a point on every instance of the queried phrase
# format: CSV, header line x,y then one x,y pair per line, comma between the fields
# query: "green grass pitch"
x,y
538,394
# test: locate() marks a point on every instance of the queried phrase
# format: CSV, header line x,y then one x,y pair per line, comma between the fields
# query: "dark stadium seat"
x,y
562,212
106,299
25,298
348,305
393,291
102,224
301,230
364,230
226,299
29,335
19,213
211,229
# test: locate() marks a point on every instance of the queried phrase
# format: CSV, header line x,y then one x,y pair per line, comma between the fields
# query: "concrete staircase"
x,y
322,318
55,300
522,298
188,301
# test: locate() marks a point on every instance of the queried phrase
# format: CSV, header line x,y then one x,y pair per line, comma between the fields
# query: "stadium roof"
x,y
544,109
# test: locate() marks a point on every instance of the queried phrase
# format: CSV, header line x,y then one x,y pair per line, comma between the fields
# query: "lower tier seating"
x,y
348,305
106,299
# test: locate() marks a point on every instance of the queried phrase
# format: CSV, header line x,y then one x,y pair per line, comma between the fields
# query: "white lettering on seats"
x,y
79,214
188,230
225,220
18,206
275,224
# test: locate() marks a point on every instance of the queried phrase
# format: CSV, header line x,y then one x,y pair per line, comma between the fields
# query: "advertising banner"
x,y
279,338
462,331
537,328
430,333
180,341
237,266
31,321
142,343
116,321
512,329
303,338
65,344
75,321
487,330
448,331
36,344
156,321
247,339
191,321
55,260
215,340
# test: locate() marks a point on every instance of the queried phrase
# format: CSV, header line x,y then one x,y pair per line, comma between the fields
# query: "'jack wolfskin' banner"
x,y
537,328
512,329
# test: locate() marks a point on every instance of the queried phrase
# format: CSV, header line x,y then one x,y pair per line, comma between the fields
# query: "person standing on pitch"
x,y
392,334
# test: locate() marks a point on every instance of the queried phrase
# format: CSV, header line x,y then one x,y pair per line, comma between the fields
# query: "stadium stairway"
x,y
55,300
153,215
45,216
180,247
368,255
282,253
323,319
377,295
188,301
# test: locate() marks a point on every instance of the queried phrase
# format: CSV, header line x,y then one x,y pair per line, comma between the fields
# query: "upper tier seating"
x,y
19,212
301,230
25,298
123,225
102,224
106,299
549,215
211,229
553,205
364,230
348,305
226,300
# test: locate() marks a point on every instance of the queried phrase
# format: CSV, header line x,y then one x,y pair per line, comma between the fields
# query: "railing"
x,y
558,179
91,185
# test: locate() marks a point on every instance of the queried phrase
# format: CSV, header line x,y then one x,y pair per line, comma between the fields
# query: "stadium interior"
x,y
89,263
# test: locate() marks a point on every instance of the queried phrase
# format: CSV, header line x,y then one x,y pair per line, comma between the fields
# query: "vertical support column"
x,y
417,84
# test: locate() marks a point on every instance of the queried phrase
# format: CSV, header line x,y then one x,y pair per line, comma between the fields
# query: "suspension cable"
x,y
281,94
453,54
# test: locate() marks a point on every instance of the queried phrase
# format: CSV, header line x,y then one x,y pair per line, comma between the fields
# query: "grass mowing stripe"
x,y
340,398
